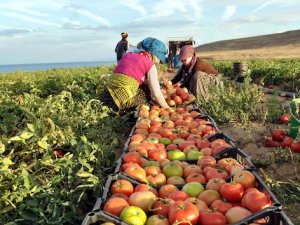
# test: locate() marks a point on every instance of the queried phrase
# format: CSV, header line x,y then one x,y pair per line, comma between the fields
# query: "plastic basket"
x,y
267,217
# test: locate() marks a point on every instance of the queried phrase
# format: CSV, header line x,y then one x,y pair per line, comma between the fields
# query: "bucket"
x,y
295,119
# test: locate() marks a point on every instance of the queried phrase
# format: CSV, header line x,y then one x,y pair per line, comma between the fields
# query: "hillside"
x,y
279,45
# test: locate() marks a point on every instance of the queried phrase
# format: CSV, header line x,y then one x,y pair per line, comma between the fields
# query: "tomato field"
x,y
59,143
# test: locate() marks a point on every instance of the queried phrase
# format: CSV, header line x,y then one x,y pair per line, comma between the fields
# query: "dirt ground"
x,y
274,165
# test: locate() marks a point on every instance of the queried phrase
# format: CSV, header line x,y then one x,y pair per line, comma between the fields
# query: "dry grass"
x,y
287,51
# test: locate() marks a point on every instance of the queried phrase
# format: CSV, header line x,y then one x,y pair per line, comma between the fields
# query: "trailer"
x,y
174,45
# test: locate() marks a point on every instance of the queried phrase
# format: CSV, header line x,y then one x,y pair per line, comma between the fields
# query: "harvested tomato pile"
x,y
179,168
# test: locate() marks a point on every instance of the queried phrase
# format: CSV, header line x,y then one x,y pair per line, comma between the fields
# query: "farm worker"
x,y
195,74
135,78
122,46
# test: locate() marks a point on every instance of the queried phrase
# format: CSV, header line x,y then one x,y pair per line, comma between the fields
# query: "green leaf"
x,y
30,127
7,161
26,135
84,174
2,147
43,144
16,138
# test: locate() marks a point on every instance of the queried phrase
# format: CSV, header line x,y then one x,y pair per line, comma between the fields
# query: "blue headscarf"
x,y
155,46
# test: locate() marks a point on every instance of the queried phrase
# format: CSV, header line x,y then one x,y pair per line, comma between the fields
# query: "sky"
x,y
51,31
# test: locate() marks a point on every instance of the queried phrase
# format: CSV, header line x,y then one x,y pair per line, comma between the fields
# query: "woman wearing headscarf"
x,y
195,74
135,79
122,46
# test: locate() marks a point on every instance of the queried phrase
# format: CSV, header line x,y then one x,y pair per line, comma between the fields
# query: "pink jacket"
x,y
134,65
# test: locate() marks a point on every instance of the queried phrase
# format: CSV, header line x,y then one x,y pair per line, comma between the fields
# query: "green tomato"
x,y
194,155
193,189
133,215
176,155
172,169
165,141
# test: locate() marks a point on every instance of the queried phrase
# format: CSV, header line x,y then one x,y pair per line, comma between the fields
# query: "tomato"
x,y
176,180
142,199
209,217
236,214
59,152
195,177
232,192
136,172
256,201
197,202
181,211
285,118
286,142
145,187
278,135
157,179
221,206
133,157
115,205
216,173
206,161
161,206
208,196
245,178
295,147
133,215
166,189
191,169
157,220
193,189
215,184
176,155
157,154
178,195
172,169
122,187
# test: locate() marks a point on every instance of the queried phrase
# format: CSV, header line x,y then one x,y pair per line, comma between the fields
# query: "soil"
x,y
274,165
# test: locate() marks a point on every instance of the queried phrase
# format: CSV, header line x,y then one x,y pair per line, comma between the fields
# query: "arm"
x,y
177,77
155,87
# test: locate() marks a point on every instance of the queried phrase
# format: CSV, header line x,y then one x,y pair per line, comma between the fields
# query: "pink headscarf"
x,y
186,51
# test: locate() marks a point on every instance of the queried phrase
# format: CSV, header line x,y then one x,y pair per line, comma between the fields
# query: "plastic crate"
x,y
97,217
267,217
223,136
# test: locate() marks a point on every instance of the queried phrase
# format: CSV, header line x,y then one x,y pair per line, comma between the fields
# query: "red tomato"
x,y
245,178
142,199
166,189
145,187
122,186
215,184
157,180
232,192
133,157
178,196
256,201
209,217
197,202
295,147
181,211
216,173
115,205
161,206
236,214
221,206
285,118
136,172
286,142
278,134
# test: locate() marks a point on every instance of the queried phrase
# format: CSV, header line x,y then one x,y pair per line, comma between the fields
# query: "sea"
x,y
48,66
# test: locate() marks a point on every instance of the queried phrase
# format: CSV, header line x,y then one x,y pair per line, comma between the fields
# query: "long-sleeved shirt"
x,y
141,68
184,74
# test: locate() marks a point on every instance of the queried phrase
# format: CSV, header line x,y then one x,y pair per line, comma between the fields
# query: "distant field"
x,y
288,51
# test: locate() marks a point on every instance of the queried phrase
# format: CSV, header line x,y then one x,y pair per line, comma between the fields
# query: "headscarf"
x,y
156,47
186,51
